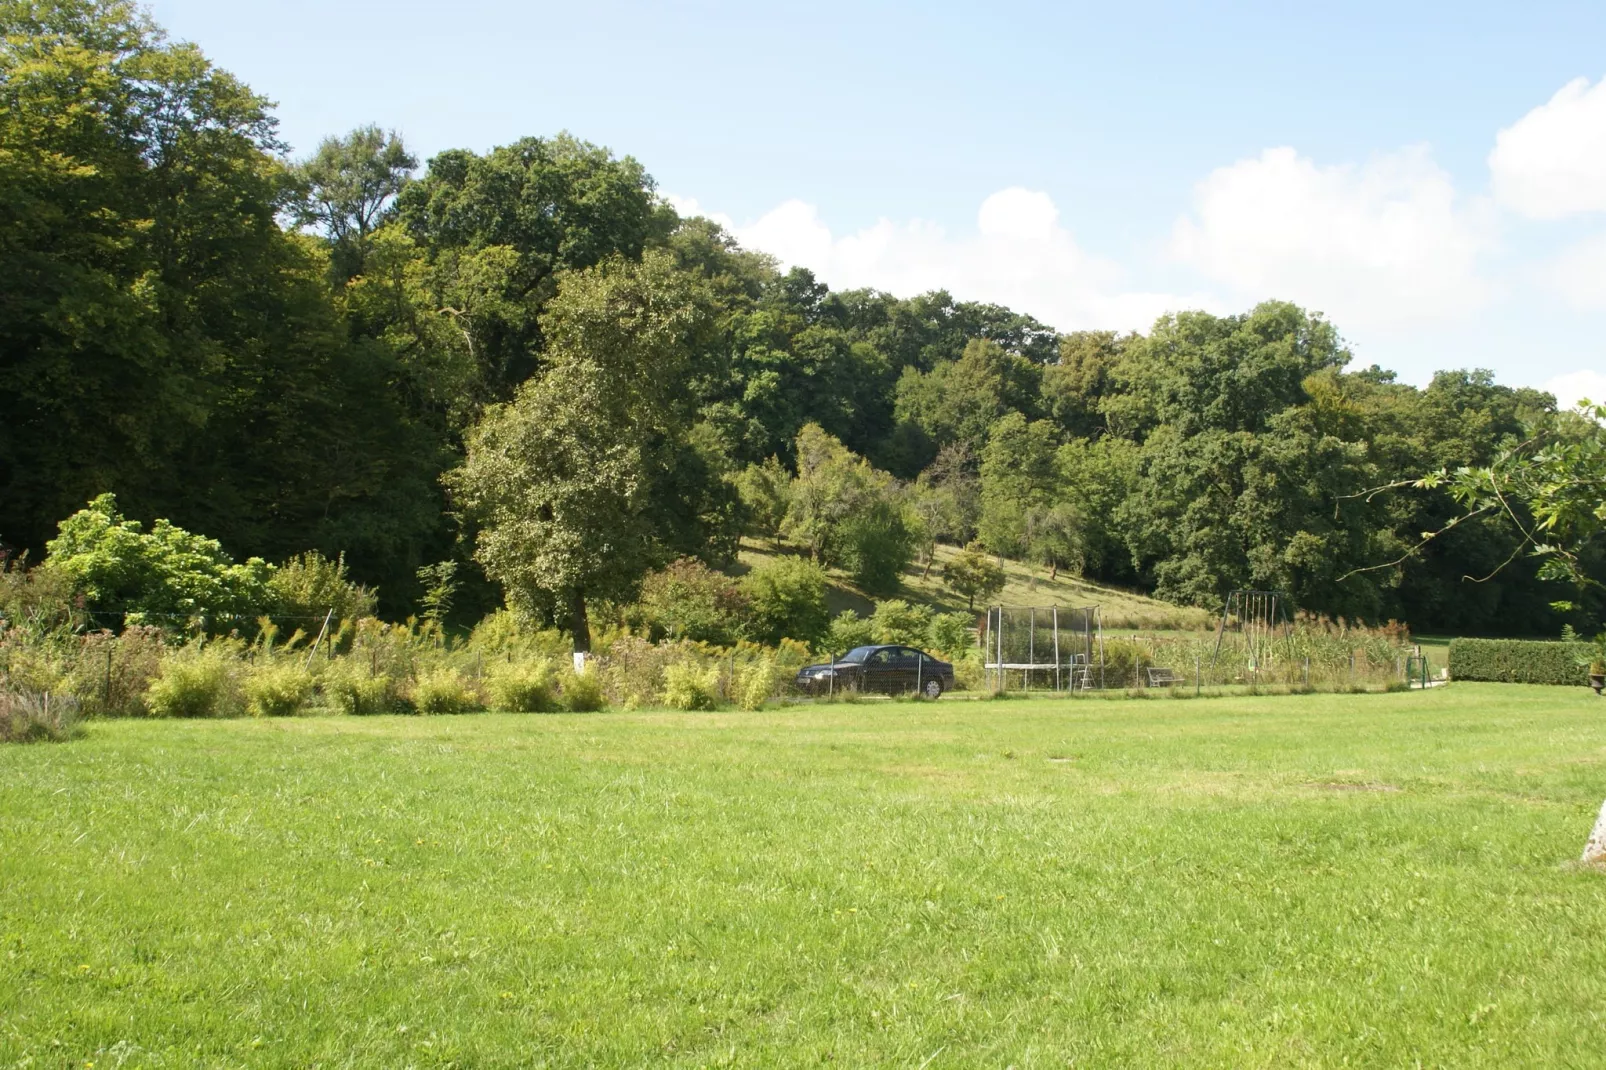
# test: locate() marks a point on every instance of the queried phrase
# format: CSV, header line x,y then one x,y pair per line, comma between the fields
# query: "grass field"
x,y
1375,880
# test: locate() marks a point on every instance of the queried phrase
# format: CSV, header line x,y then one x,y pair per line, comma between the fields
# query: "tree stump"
x,y
1595,849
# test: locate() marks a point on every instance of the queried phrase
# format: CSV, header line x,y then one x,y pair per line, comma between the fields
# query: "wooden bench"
x,y
1162,677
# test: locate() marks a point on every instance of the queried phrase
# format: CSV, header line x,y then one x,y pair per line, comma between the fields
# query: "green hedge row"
x,y
1517,661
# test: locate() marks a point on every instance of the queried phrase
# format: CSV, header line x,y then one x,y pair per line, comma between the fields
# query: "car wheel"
x,y
932,688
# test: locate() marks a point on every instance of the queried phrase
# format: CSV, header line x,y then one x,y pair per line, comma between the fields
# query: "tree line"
x,y
523,365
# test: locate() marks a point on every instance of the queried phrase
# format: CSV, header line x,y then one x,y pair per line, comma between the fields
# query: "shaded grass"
x,y
1301,880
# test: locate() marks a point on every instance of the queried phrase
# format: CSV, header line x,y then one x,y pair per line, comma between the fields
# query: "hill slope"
x,y
1025,586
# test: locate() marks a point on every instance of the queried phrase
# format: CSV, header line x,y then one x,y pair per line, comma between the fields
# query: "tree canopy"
x,y
525,364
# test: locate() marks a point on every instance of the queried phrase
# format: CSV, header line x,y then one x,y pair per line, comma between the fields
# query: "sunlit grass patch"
x,y
1284,880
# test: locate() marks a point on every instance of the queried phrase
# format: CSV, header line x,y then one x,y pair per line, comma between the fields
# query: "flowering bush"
x,y
444,690
199,680
351,686
757,681
581,692
277,688
688,686
523,687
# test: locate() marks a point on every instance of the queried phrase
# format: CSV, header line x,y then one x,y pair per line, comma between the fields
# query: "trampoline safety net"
x,y
1043,648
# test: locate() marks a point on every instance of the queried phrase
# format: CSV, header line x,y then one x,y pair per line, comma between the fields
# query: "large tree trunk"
x,y
579,623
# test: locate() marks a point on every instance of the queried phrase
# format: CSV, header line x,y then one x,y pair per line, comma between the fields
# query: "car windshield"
x,y
857,655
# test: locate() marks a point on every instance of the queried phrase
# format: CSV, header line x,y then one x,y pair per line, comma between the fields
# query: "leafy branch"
x,y
1557,476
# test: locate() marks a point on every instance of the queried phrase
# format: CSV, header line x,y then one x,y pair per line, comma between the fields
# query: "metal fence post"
x,y
1003,681
1057,686
1031,649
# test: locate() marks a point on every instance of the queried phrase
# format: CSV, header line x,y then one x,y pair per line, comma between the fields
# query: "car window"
x,y
882,657
857,654
908,657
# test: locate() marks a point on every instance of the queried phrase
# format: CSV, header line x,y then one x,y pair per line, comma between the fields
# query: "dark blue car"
x,y
888,669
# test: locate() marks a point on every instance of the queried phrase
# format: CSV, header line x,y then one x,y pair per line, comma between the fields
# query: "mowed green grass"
x,y
1374,880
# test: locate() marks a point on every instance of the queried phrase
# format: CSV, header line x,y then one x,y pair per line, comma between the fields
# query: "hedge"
x,y
1518,661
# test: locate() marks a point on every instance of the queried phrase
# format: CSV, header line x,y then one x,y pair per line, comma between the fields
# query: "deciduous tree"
x,y
565,480
972,574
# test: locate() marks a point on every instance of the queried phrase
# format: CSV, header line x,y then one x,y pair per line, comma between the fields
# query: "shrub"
x,y
444,690
951,635
37,602
688,686
26,667
504,634
523,687
755,682
876,545
196,681
689,600
581,692
847,631
787,601
309,585
394,650
790,654
1591,654
33,717
116,564
632,669
896,621
1517,661
351,686
969,672
277,689
1124,662
113,672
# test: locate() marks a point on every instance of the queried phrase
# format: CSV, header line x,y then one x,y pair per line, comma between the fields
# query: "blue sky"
x,y
1092,164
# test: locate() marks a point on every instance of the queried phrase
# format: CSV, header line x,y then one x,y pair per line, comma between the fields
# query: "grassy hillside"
x,y
1375,880
1026,586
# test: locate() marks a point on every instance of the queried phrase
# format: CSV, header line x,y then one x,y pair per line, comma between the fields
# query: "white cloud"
x,y
1385,244
1020,256
793,233
1580,273
1552,162
1573,387
687,207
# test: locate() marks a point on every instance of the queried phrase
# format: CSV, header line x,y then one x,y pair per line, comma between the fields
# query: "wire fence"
x,y
1058,649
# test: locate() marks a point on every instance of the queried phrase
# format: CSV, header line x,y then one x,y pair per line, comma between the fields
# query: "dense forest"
x,y
524,365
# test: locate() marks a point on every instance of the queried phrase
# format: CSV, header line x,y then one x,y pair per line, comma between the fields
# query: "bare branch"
x,y
1373,492
1413,551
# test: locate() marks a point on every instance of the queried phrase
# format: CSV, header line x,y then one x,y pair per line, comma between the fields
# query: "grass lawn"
x,y
1375,880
